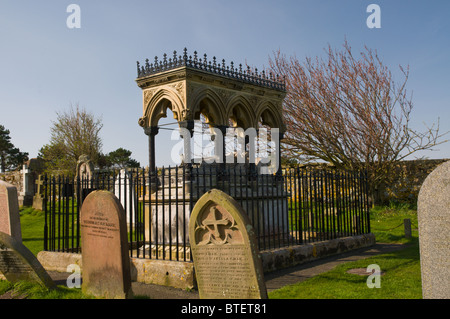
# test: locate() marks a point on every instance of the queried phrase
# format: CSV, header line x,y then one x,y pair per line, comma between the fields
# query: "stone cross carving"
x,y
214,234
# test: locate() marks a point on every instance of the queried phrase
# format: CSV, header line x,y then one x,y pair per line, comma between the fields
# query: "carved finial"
x,y
165,58
195,56
138,71
240,68
214,61
223,64
174,59
147,65
204,60
185,54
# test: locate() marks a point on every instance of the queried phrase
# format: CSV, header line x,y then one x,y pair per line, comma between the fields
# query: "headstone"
x,y
85,168
26,195
433,208
17,263
224,249
84,177
105,255
9,211
124,190
38,199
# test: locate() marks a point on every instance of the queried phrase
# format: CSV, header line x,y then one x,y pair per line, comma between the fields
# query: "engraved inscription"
x,y
11,263
99,225
239,279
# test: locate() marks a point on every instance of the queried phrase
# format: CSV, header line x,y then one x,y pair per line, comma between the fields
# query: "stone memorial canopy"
x,y
191,86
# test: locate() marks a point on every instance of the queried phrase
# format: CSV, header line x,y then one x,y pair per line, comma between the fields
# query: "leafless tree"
x,y
347,110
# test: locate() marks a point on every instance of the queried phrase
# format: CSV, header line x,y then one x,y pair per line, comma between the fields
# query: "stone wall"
x,y
13,178
408,178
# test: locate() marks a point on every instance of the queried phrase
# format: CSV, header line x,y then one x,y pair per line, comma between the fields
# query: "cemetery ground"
x,y
400,269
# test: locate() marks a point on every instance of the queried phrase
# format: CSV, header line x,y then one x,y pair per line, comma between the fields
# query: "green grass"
x,y
32,224
400,281
35,291
387,223
402,268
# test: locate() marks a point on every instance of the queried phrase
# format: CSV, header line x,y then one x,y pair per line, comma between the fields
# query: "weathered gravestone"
x,y
433,208
9,211
17,262
224,248
104,247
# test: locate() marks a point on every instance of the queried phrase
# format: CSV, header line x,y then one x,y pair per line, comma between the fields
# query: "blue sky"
x,y
45,66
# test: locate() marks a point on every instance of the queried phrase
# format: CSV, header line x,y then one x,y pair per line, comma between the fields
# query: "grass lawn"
x,y
32,224
401,279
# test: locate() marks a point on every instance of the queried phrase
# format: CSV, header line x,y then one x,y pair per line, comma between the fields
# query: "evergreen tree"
x,y
10,156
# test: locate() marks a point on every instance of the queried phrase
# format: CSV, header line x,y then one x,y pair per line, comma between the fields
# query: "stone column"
x,y
151,131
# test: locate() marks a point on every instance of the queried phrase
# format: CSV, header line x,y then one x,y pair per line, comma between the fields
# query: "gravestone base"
x,y
38,203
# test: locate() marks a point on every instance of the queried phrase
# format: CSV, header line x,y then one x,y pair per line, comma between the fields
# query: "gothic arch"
x,y
270,115
207,102
156,106
240,111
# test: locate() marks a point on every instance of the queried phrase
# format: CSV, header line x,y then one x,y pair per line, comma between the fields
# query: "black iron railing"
x,y
302,205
